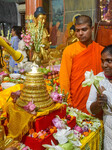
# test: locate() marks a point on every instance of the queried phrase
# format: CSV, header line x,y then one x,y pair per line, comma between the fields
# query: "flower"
x,y
37,35
78,128
58,123
90,79
53,146
30,107
85,128
26,37
15,95
56,97
62,135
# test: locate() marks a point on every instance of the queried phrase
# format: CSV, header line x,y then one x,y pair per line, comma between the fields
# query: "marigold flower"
x,y
31,131
35,134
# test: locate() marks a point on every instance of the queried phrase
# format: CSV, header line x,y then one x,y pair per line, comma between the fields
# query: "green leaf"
x,y
67,146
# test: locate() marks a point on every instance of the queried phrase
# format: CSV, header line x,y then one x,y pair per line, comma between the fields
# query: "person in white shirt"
x,y
97,102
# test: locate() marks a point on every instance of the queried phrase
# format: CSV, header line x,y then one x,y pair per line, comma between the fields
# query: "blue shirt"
x,y
14,44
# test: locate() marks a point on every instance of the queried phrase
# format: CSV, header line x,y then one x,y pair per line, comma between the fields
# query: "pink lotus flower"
x,y
56,97
58,123
79,129
30,107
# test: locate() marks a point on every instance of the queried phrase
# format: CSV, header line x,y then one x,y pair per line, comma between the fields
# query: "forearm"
x,y
95,108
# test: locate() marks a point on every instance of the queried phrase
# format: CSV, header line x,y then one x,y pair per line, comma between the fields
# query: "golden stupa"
x,y
34,90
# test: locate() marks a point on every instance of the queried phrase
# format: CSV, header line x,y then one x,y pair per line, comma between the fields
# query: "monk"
x,y
78,58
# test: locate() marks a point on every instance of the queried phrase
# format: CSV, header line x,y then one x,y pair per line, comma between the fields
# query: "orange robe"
x,y
76,60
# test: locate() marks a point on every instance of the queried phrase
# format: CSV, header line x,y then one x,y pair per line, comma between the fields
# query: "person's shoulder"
x,y
12,37
73,45
70,48
98,45
15,38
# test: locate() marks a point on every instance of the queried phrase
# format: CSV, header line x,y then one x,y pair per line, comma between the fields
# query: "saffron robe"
x,y
76,60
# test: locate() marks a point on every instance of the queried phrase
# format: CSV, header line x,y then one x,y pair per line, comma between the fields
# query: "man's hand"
x,y
5,39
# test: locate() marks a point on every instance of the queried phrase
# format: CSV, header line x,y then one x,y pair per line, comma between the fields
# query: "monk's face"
x,y
84,32
106,63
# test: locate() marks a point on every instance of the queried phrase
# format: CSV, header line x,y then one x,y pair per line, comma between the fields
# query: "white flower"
x,y
62,135
90,79
76,143
89,75
53,146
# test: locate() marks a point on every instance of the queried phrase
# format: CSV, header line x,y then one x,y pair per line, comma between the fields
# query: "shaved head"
x,y
83,19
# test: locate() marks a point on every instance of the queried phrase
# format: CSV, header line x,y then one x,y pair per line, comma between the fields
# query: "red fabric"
x,y
39,125
104,35
36,144
108,77
88,59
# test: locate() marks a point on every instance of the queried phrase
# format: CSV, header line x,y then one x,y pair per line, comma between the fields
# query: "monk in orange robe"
x,y
78,58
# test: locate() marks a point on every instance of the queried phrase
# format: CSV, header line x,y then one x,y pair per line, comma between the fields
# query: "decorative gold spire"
x,y
35,90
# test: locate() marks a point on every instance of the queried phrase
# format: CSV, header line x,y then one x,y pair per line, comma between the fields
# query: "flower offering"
x,y
90,79
26,37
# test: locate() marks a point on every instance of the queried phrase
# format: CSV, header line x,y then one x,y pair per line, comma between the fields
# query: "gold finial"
x,y
34,68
